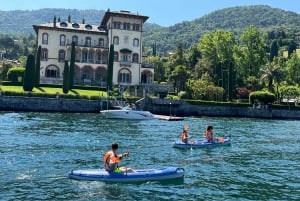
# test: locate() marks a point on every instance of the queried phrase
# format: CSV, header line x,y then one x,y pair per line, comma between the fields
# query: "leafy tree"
x,y
180,76
110,67
293,69
217,48
4,70
251,55
29,74
271,72
7,44
159,68
72,65
193,56
273,50
66,76
204,89
38,66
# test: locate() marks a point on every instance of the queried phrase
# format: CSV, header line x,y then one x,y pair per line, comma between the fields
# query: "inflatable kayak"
x,y
135,176
202,143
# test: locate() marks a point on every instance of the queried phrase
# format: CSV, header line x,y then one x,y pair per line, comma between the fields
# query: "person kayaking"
x,y
209,134
184,135
111,160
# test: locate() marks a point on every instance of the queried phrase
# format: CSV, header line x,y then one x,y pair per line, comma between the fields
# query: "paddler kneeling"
x,y
111,160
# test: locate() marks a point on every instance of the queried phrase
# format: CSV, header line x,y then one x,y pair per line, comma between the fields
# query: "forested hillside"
x,y
20,21
233,19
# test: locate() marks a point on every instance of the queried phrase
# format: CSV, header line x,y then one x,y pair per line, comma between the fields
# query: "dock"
x,y
168,118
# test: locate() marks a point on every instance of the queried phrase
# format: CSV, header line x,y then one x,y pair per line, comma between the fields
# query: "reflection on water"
x,y
39,149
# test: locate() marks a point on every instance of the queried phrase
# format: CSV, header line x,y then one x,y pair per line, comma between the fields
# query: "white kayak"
x,y
140,175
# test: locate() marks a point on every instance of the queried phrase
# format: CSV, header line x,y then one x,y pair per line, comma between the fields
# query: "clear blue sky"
x,y
162,12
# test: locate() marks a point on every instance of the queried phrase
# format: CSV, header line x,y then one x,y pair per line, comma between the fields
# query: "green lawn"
x,y
50,90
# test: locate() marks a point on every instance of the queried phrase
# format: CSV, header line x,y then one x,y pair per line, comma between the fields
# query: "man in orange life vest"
x,y
111,160
184,135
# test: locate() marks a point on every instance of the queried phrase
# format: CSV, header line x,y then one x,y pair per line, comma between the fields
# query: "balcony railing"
x,y
147,65
91,61
125,63
82,44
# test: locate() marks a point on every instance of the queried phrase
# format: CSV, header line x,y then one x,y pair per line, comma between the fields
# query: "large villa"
x,y
122,29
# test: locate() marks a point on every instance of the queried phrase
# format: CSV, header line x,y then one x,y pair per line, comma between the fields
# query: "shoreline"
x,y
175,108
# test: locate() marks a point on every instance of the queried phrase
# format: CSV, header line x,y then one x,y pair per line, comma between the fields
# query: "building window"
x,y
44,54
126,57
116,56
124,76
62,40
88,41
117,25
135,58
136,42
52,71
45,39
135,27
61,55
116,40
101,42
75,39
126,39
126,26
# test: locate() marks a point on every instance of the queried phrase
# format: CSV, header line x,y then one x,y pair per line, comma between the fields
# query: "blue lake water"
x,y
37,151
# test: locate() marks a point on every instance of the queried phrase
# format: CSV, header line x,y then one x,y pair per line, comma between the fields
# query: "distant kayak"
x,y
201,143
141,175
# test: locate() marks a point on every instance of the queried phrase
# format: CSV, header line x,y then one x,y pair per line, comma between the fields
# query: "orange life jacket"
x,y
183,136
110,159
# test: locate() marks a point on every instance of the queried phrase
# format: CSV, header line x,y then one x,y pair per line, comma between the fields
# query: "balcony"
x,y
125,63
148,65
83,44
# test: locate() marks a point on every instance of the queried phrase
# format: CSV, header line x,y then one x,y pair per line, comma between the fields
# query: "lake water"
x,y
38,150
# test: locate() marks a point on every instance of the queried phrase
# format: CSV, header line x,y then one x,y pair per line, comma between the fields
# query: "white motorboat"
x,y
127,113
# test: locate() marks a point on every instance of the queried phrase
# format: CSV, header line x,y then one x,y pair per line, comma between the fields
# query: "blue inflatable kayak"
x,y
202,143
136,176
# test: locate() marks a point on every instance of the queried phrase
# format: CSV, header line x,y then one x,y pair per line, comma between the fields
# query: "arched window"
x,y
116,56
136,42
45,39
44,54
61,55
101,42
62,40
135,58
116,40
88,41
124,76
52,71
75,39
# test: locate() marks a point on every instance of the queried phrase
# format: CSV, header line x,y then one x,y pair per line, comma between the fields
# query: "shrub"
x,y
14,73
262,97
183,95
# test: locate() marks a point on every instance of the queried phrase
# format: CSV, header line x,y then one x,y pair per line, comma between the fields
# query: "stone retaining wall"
x,y
156,106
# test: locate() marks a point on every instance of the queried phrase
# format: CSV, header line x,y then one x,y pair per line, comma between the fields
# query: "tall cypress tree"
x,y
37,67
66,81
29,74
110,67
72,65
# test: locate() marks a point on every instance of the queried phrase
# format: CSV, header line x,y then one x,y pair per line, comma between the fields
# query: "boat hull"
x,y
127,114
201,143
136,176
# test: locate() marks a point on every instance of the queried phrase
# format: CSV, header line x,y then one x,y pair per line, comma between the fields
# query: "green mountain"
x,y
21,21
233,19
